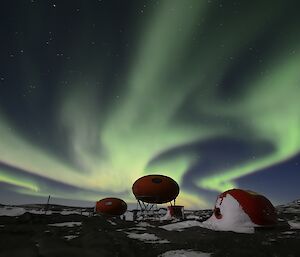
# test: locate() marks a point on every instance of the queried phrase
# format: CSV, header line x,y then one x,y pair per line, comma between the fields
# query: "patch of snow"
x,y
67,212
266,243
288,232
112,223
294,225
162,211
144,224
11,211
132,229
63,212
128,215
66,224
179,226
38,211
78,212
163,241
137,228
184,253
147,238
70,237
17,211
167,216
282,206
291,210
233,217
192,217
175,220
237,229
188,212
143,237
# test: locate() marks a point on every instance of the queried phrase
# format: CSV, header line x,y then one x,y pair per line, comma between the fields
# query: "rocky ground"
x,y
74,233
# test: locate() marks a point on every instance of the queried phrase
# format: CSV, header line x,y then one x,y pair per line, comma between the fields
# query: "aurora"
x,y
95,94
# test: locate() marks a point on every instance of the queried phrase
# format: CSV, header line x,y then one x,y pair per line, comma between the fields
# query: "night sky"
x,y
95,94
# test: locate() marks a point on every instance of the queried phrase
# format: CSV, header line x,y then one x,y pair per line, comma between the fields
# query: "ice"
x,y
184,253
66,224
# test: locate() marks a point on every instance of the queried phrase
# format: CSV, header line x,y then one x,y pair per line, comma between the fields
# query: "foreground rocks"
x,y
30,235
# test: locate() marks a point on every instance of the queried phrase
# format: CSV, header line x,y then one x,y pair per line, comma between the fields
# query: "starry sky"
x,y
96,93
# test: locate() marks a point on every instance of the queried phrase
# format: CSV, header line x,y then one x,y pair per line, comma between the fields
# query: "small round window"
x,y
108,203
217,213
156,180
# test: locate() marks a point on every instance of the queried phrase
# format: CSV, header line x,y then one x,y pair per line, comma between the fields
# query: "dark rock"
x,y
29,235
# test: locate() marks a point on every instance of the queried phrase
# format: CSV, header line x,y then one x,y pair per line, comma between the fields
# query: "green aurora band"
x,y
170,65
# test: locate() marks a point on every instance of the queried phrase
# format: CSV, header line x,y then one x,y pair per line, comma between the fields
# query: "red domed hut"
x,y
155,189
111,206
252,206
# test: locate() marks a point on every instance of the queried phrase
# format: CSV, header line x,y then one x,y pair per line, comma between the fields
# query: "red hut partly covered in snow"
x,y
237,208
259,209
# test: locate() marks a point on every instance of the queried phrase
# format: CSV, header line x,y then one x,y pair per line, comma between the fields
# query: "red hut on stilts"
x,y
151,190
